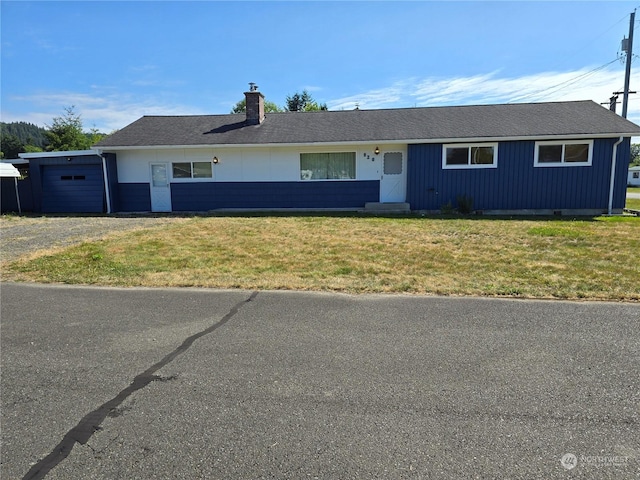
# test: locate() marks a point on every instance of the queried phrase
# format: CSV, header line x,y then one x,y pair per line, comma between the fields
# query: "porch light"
x,y
215,160
377,150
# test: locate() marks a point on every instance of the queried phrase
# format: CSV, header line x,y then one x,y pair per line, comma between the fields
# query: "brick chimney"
x,y
255,105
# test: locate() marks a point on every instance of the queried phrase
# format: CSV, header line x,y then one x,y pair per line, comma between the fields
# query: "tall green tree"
x,y
269,107
303,102
635,154
66,133
11,146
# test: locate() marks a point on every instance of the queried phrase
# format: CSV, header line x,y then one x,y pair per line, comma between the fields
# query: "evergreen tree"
x,y
303,102
269,107
11,146
66,133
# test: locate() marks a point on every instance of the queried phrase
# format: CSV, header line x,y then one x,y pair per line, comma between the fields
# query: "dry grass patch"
x,y
452,256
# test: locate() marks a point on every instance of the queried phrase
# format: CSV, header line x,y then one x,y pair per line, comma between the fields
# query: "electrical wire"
x,y
566,83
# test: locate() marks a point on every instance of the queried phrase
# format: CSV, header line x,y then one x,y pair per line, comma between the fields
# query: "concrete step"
x,y
396,207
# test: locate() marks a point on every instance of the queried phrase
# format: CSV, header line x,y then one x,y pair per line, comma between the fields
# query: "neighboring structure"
x,y
634,177
9,173
562,157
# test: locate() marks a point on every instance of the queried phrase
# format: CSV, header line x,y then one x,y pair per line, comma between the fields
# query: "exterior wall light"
x,y
215,160
377,150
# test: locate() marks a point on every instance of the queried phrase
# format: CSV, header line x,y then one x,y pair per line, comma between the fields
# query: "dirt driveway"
x,y
23,235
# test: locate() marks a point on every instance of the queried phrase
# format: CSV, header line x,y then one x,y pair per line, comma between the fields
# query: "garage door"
x,y
72,189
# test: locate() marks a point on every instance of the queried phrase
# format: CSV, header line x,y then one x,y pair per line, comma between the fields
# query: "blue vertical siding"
x,y
515,184
214,195
134,197
35,174
8,200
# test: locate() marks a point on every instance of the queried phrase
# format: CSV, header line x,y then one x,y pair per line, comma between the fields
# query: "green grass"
x,y
633,203
539,258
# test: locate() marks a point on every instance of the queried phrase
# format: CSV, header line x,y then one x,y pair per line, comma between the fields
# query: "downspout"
x,y
106,181
614,159
15,182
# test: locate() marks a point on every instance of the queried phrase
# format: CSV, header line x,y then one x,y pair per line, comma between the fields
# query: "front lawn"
x,y
543,258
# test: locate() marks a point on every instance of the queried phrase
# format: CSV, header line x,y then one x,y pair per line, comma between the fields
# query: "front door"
x,y
160,188
393,179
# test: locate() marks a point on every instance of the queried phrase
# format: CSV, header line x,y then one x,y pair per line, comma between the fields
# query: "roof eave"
x,y
380,141
68,153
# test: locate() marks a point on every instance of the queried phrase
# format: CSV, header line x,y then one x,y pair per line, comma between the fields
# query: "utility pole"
x,y
627,74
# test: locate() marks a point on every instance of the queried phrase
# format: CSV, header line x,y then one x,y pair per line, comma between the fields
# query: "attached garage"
x,y
72,181
72,189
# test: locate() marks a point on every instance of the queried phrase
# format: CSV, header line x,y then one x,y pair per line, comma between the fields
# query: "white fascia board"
x,y
69,153
372,142
16,161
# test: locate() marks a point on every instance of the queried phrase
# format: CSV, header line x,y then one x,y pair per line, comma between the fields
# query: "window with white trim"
x,y
572,153
328,166
183,170
470,155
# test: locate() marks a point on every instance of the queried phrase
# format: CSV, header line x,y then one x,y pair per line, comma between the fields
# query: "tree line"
x,y
65,133
298,102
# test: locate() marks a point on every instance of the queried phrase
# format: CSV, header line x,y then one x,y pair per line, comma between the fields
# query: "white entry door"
x,y
393,181
160,188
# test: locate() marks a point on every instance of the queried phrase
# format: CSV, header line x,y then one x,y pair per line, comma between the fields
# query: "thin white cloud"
x,y
104,112
106,109
584,84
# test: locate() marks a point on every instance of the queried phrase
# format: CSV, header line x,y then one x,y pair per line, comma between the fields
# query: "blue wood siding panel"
x,y
8,200
214,195
515,184
72,188
134,197
35,174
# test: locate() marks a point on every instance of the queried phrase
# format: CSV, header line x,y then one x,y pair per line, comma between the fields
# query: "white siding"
x,y
248,164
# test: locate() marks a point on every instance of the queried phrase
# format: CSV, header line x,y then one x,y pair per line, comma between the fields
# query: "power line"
x,y
566,83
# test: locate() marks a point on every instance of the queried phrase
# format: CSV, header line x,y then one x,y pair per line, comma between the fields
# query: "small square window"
x,y
181,170
481,155
550,154
202,170
457,156
576,153
392,163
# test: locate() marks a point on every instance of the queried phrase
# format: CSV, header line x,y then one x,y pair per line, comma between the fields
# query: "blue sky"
x,y
116,61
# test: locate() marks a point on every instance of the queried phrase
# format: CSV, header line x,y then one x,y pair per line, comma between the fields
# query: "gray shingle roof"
x,y
430,123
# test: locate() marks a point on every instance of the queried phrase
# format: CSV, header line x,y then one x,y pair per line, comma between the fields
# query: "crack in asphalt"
x,y
91,422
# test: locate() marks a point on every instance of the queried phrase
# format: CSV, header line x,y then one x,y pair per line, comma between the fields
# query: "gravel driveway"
x,y
23,235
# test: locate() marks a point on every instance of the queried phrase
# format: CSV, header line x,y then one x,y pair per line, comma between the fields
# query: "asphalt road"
x,y
138,384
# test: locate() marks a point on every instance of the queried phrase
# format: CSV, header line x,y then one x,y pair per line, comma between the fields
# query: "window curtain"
x,y
327,166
